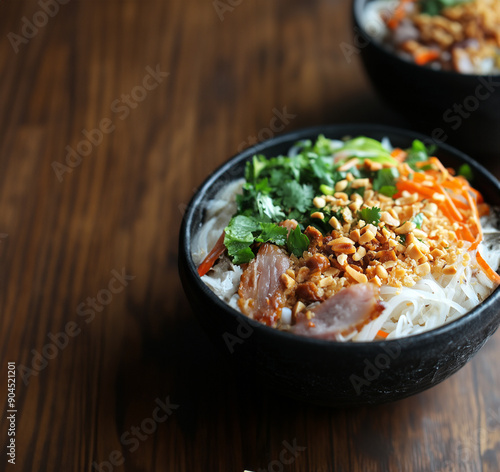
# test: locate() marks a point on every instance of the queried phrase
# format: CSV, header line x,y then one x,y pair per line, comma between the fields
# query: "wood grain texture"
x,y
120,209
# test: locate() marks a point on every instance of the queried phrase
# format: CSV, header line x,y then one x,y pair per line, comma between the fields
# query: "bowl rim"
x,y
348,129
357,8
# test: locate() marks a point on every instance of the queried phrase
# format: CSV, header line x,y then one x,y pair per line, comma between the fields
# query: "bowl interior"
x,y
234,169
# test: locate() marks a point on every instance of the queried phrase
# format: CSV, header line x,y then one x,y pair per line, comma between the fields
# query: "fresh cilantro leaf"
x,y
465,171
239,237
321,169
272,233
323,146
297,242
267,209
418,153
275,177
254,167
418,219
359,190
262,186
388,190
243,231
370,215
385,178
295,195
241,228
240,253
434,7
402,239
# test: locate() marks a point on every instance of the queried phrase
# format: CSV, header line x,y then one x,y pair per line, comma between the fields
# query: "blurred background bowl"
x,y
328,372
459,109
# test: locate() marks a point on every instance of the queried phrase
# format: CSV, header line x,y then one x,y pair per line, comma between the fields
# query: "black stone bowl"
x,y
329,372
461,109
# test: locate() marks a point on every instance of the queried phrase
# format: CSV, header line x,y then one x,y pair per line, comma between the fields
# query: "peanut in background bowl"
x,y
330,372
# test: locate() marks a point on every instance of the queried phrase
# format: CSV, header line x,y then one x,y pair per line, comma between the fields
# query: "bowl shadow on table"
x,y
217,400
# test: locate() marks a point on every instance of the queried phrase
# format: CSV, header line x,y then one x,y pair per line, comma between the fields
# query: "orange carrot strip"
x,y
382,334
492,275
423,163
399,154
413,187
466,233
459,203
453,185
476,243
440,166
475,217
398,15
449,203
212,256
419,177
424,57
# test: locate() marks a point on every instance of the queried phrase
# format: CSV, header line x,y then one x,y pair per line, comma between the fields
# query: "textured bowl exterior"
x,y
457,108
328,372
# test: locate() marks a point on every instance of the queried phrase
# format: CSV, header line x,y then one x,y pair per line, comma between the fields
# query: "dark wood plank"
x,y
120,210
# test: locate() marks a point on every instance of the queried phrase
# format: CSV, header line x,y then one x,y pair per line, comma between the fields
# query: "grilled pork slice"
x,y
261,288
348,310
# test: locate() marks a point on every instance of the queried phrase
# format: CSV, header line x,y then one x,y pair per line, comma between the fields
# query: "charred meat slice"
x,y
348,310
261,288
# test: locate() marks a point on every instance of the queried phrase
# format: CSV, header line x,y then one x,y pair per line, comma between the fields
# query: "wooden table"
x,y
112,113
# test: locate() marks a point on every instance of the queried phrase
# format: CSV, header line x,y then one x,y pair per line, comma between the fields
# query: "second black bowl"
x,y
461,109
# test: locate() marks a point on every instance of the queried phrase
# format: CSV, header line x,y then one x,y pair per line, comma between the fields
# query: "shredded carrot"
x,y
456,215
438,164
398,15
399,154
413,187
426,56
462,204
212,256
382,334
419,177
466,234
492,275
475,219
459,203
